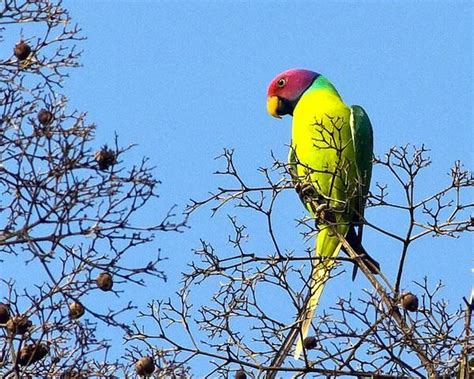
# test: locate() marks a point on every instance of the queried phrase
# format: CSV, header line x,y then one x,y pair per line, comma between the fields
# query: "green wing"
x,y
363,138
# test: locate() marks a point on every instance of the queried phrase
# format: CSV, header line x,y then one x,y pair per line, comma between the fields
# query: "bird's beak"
x,y
272,106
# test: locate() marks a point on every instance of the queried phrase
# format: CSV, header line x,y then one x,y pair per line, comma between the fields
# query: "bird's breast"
x,y
322,141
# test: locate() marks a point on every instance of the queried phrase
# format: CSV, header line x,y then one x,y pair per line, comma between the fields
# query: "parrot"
x,y
330,161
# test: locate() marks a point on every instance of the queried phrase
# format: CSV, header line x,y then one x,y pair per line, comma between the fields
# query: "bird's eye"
x,y
281,82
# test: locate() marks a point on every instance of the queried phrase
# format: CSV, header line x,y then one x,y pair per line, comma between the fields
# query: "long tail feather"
x,y
327,246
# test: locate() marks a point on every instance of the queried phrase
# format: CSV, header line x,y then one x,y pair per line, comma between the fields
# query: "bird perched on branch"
x,y
330,160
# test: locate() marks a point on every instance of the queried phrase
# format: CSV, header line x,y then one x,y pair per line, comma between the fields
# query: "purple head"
x,y
286,89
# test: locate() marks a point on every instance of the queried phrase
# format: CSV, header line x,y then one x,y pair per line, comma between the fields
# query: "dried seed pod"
x,y
4,313
45,117
22,50
76,310
409,302
240,374
18,324
32,353
105,157
40,350
310,343
105,281
25,355
145,366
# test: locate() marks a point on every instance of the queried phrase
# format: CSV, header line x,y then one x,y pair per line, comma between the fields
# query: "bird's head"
x,y
286,89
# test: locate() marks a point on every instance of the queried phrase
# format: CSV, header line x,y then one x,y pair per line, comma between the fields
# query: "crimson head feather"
x,y
286,89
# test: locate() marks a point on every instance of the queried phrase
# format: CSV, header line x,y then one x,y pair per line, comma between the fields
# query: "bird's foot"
x,y
306,190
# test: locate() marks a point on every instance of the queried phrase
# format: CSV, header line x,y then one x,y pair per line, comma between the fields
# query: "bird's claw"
x,y
305,190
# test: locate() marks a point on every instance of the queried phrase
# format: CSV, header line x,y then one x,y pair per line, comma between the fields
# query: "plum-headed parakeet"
x,y
331,163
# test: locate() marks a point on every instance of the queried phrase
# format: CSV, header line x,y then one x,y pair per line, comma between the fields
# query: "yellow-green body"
x,y
323,146
323,156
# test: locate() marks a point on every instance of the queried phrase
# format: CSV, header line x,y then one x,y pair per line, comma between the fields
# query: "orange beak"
x,y
272,106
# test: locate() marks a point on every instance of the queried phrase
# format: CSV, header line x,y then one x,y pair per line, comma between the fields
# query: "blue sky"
x,y
183,80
